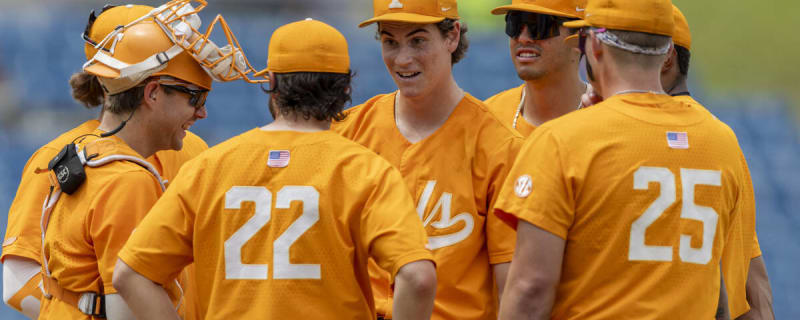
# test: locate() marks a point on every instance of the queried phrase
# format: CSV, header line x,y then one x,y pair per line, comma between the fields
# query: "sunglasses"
x,y
540,26
90,23
197,98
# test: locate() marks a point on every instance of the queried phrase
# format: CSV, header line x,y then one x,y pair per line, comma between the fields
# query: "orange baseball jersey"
x,y
23,237
284,221
506,105
737,295
454,176
649,194
87,229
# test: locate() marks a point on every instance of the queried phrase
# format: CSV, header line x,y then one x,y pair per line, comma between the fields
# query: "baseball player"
x,y
452,151
674,76
626,209
21,254
280,220
544,59
102,186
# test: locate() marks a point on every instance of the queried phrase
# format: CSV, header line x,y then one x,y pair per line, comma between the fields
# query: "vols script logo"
x,y
62,173
446,220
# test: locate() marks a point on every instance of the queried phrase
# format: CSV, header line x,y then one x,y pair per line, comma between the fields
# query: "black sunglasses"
x,y
540,26
90,23
197,98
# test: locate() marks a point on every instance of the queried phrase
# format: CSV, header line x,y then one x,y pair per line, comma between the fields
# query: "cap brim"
x,y
576,24
531,8
402,17
101,70
571,38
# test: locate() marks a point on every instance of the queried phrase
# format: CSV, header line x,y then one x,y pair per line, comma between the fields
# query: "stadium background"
x,y
743,68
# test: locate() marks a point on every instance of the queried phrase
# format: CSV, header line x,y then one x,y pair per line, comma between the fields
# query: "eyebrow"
x,y
408,35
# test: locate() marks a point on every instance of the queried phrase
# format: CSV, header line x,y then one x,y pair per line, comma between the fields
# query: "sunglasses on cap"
x,y
197,98
540,26
90,23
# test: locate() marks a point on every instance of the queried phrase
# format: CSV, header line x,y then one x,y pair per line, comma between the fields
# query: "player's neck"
x,y
629,80
134,134
551,97
296,123
418,117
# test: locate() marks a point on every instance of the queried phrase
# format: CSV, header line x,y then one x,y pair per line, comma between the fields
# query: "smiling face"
x,y
176,116
417,56
535,59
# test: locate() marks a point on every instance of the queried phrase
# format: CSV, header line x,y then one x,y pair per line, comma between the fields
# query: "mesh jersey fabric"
x,y
505,105
338,202
88,228
593,178
454,176
737,298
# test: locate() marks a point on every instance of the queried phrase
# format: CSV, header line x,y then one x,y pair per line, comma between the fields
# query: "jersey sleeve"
x,y
162,244
537,189
756,247
23,235
116,210
500,237
392,231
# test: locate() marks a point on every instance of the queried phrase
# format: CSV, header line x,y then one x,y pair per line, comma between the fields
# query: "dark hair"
x,y
448,25
318,95
86,89
683,59
129,100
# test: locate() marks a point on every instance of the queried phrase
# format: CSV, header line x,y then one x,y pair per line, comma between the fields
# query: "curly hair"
x,y
86,89
317,95
448,25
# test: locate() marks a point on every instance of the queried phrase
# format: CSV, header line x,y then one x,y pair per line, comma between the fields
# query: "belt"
x,y
89,303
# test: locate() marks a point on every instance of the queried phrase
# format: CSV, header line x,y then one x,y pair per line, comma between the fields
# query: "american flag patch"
x,y
678,140
278,158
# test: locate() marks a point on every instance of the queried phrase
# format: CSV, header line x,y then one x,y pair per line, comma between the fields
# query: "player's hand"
x,y
590,97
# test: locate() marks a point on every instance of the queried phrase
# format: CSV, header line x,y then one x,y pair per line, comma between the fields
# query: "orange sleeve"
x,y
537,189
162,244
391,228
741,247
756,247
115,212
23,235
500,237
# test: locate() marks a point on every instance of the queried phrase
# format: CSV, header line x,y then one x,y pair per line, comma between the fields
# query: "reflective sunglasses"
x,y
540,26
197,98
90,23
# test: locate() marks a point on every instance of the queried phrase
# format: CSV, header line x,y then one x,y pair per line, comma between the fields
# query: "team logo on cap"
x,y
395,5
523,186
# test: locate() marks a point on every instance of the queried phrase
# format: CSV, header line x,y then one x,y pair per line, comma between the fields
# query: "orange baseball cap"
x,y
108,20
412,11
561,8
648,16
307,46
681,36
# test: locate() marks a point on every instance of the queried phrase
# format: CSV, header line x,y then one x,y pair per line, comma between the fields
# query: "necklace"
x,y
522,104
637,91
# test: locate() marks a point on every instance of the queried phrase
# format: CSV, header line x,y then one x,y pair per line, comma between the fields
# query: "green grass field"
x,y
738,47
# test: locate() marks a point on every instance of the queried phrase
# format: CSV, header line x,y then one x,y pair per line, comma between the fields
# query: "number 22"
x,y
638,250
262,198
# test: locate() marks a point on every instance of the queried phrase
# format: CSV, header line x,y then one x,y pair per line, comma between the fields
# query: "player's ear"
x,y
672,56
150,93
453,37
271,80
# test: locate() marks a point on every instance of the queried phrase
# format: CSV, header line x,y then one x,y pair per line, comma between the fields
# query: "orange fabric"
x,y
561,8
652,16
308,46
412,11
592,175
681,35
363,211
505,106
23,237
88,228
454,176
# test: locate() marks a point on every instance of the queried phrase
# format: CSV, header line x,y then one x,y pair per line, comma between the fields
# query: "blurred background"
x,y
743,68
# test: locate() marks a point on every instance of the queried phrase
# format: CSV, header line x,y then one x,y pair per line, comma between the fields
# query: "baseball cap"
x,y
561,8
681,36
109,20
307,46
648,16
412,11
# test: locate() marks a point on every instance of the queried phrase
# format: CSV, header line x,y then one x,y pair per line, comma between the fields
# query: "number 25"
x,y
262,198
638,250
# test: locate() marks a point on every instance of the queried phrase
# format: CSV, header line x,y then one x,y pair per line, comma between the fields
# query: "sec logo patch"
x,y
523,186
